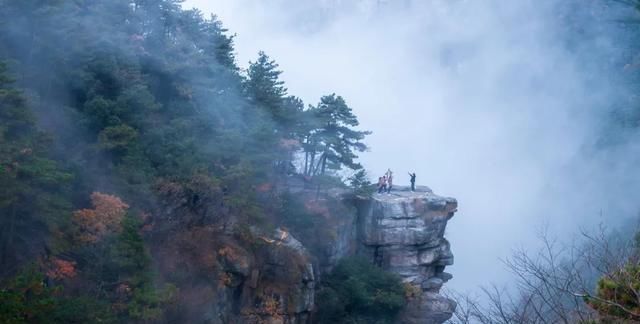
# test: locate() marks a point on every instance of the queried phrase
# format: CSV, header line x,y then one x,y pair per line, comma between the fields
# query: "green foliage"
x,y
33,189
359,292
617,294
335,140
117,138
120,273
148,303
130,253
295,215
144,99
264,86
28,299
134,262
25,298
360,184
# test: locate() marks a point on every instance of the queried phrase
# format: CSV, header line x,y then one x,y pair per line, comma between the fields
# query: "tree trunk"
x,y
313,159
324,162
317,166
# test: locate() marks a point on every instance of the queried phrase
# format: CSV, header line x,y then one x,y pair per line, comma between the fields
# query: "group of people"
x,y
385,183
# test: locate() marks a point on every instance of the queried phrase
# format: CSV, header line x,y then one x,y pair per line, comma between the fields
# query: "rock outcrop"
x,y
252,275
269,282
403,232
282,290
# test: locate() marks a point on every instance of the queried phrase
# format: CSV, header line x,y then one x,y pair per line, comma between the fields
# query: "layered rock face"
x,y
403,232
282,290
273,283
274,280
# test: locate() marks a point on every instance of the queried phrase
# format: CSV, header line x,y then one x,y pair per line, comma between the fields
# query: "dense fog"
x,y
505,105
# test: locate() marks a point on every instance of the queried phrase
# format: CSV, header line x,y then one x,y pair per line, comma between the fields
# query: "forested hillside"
x,y
129,140
146,176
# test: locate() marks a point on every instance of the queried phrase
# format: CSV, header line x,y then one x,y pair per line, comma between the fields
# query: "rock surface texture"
x,y
270,276
403,232
282,291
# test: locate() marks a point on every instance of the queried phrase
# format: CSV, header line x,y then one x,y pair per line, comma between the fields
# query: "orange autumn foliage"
x,y
104,218
270,306
265,187
317,207
61,269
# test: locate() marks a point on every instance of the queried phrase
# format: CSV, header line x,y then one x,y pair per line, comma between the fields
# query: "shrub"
x,y
27,298
617,294
360,184
358,292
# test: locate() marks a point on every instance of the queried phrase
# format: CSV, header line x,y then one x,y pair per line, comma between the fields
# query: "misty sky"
x,y
477,97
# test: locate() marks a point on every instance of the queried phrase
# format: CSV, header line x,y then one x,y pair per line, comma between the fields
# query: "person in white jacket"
x,y
389,176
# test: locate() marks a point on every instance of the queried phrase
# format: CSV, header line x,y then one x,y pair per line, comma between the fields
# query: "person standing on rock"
x,y
383,187
380,183
389,183
413,181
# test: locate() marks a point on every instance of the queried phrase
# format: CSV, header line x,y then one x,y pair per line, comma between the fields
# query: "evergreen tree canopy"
x,y
335,139
137,101
32,194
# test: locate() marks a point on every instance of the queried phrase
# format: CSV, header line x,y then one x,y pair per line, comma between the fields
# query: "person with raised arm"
x,y
413,181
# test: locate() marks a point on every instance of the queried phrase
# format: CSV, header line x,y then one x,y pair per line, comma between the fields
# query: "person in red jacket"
x,y
382,185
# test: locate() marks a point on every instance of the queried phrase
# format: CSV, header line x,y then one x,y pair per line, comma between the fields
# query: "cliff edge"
x,y
403,232
253,275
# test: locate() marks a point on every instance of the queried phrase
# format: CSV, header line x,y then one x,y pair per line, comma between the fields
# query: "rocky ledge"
x,y
403,232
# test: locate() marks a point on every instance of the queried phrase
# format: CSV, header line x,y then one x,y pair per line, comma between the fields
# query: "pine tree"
x,y
134,264
33,189
335,141
267,91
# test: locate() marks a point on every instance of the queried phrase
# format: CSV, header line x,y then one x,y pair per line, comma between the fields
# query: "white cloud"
x,y
477,97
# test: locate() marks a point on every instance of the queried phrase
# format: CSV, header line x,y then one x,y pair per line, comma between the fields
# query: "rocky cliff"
x,y
403,232
253,276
